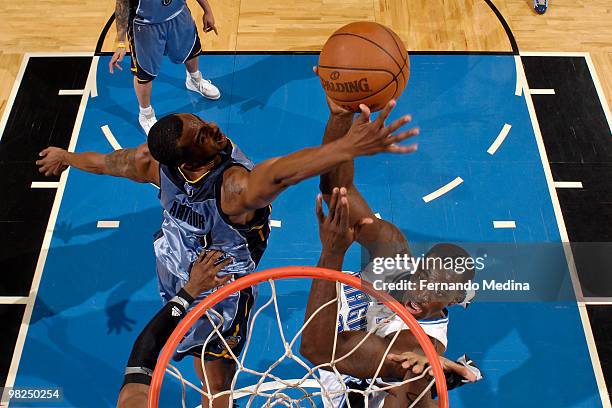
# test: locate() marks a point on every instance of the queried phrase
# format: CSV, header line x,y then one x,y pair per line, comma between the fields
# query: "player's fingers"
x,y
342,219
319,209
44,152
459,369
397,124
214,258
222,281
202,256
364,116
222,264
333,202
394,148
396,357
118,66
215,30
384,114
398,137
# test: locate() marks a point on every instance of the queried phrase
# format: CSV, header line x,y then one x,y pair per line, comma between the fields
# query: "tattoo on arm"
x,y
122,163
121,18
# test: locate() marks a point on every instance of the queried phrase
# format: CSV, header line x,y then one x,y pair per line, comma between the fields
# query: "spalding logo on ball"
x,y
364,62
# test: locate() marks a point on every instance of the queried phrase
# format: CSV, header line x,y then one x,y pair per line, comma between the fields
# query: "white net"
x,y
306,387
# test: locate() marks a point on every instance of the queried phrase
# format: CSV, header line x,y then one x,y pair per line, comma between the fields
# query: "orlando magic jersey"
x,y
359,312
194,221
156,11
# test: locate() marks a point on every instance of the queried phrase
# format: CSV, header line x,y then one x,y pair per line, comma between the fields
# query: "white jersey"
x,y
378,317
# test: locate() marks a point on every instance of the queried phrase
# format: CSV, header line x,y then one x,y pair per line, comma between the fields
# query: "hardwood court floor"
x,y
441,25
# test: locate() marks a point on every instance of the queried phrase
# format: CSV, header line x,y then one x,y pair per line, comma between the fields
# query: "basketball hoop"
x,y
277,395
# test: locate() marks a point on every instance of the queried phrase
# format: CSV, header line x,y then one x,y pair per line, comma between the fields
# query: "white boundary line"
x,y
600,92
586,324
499,139
61,54
44,184
553,54
13,300
11,99
27,314
518,90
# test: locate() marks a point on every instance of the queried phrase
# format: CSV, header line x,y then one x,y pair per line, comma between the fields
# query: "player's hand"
x,y
116,59
335,231
417,363
410,361
208,21
334,108
366,137
53,161
203,275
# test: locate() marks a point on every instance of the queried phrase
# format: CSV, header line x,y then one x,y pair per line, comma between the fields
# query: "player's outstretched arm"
x,y
141,363
135,164
337,234
244,192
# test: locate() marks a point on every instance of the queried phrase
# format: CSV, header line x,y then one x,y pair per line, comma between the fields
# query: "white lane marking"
x,y
568,184
110,137
94,82
44,184
14,300
504,224
499,139
518,89
275,223
542,91
443,190
584,318
70,92
42,257
11,99
108,224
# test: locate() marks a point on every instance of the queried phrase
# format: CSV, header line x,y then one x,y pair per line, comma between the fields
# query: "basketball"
x,y
364,62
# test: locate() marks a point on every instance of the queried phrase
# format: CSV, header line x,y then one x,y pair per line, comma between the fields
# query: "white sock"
x,y
148,111
195,76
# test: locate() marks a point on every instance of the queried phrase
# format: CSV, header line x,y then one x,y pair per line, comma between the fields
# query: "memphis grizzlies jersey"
x,y
193,221
156,11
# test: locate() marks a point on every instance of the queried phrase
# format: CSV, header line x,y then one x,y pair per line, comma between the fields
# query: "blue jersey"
x,y
156,11
194,221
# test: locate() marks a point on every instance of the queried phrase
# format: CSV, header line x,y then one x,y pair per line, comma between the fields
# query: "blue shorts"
x,y
235,309
177,38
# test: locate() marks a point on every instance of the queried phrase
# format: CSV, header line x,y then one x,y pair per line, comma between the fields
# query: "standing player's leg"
x,y
220,374
147,52
184,47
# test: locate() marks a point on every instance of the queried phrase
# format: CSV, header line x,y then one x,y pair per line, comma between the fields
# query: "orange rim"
x,y
290,272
